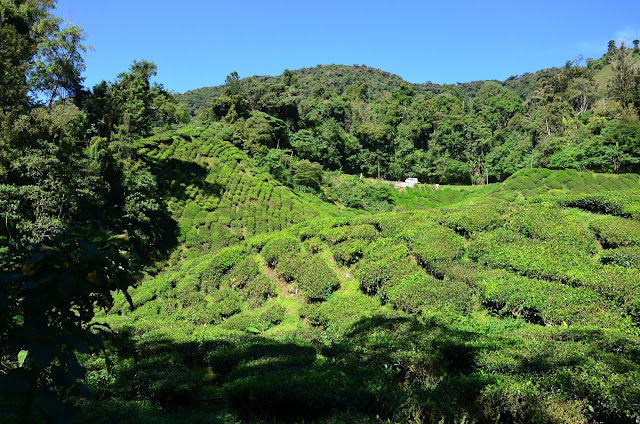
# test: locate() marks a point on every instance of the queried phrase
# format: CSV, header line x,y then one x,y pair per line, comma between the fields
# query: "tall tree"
x,y
41,58
624,83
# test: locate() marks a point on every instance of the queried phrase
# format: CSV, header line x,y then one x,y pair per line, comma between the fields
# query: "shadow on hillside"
x,y
386,368
390,368
174,175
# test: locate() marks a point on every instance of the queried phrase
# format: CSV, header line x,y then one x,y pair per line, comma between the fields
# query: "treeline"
x,y
71,193
65,154
362,120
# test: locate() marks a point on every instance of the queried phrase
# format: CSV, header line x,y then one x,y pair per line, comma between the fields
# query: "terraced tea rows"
x,y
516,312
217,194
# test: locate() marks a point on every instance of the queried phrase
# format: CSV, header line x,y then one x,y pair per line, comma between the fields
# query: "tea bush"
x,y
434,246
348,252
384,264
316,279
256,321
279,247
614,231
628,257
420,291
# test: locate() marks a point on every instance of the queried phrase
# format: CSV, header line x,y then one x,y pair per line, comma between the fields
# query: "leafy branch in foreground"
x,y
48,296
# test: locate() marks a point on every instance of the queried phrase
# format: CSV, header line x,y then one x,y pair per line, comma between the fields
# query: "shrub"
x,y
623,256
288,266
316,279
308,173
216,307
614,231
434,246
544,302
550,223
613,203
533,258
314,244
315,314
278,247
348,232
223,261
191,210
248,278
348,252
259,289
473,219
384,264
413,292
420,290
258,320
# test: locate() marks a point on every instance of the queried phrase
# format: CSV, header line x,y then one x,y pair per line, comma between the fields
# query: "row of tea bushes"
x,y
217,194
310,272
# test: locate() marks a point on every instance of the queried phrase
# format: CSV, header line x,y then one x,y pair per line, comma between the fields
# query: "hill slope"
x,y
335,78
524,310
217,194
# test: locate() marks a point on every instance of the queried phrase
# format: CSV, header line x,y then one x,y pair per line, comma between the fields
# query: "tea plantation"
x,y
217,194
515,302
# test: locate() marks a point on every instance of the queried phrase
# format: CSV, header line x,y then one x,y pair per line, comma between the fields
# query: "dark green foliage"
x,y
218,266
308,174
348,252
248,278
364,121
384,265
218,194
355,192
314,277
535,258
434,246
470,220
522,315
363,232
218,305
310,393
544,303
505,306
289,265
49,294
313,244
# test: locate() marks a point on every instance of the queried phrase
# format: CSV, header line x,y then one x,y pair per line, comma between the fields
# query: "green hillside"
x,y
333,78
361,120
524,185
217,195
240,254
513,312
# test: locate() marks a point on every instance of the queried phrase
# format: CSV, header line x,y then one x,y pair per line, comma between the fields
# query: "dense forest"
x,y
237,254
362,120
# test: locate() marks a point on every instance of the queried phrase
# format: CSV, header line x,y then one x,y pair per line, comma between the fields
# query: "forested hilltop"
x,y
231,255
362,120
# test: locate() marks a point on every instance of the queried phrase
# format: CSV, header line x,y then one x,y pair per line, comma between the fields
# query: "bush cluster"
x,y
420,291
311,273
279,247
385,264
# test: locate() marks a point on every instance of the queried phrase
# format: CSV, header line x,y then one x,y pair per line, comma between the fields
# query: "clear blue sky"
x,y
197,43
